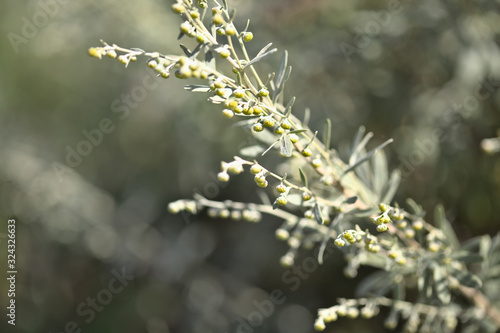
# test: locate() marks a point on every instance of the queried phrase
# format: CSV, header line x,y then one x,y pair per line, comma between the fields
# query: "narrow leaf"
x,y
197,88
465,277
445,226
209,59
303,177
467,257
186,50
367,157
270,147
351,200
327,134
286,147
259,58
392,186
441,285
281,72
288,109
297,131
317,214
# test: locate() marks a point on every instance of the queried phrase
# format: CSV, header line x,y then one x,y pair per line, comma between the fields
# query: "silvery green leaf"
x,y
467,257
181,34
294,199
327,134
465,277
288,108
367,156
232,15
303,177
225,5
135,49
445,226
209,58
417,209
252,151
307,117
355,143
441,284
424,282
317,214
392,186
186,50
297,131
351,200
380,173
197,88
286,147
261,55
270,147
284,62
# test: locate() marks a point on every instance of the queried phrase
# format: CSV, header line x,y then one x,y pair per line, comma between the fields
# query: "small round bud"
x,y
123,59
281,200
255,169
319,325
152,63
194,14
417,225
342,311
165,74
178,8
287,260
95,52
185,28
306,196
247,36
409,233
352,313
269,122
307,152
223,176
367,312
200,39
308,214
219,84
286,124
112,54
217,19
224,213
339,242
227,113
235,168
235,215
433,247
293,137
230,30
279,130
383,207
202,4
282,234
263,184
393,254
257,110
281,188
239,92
382,227
225,53
258,127
316,163
263,92
203,75
221,31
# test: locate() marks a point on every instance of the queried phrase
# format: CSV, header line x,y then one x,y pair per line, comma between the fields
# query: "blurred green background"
x,y
406,70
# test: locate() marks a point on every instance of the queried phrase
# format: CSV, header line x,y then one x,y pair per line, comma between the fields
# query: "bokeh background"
x,y
430,65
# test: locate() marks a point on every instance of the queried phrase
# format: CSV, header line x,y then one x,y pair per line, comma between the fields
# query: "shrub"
x,y
322,198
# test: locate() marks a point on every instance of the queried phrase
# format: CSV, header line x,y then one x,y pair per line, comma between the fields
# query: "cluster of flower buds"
x,y
235,167
348,237
344,310
235,214
183,205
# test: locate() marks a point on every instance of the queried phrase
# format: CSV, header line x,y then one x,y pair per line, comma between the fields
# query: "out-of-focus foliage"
x,y
435,65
